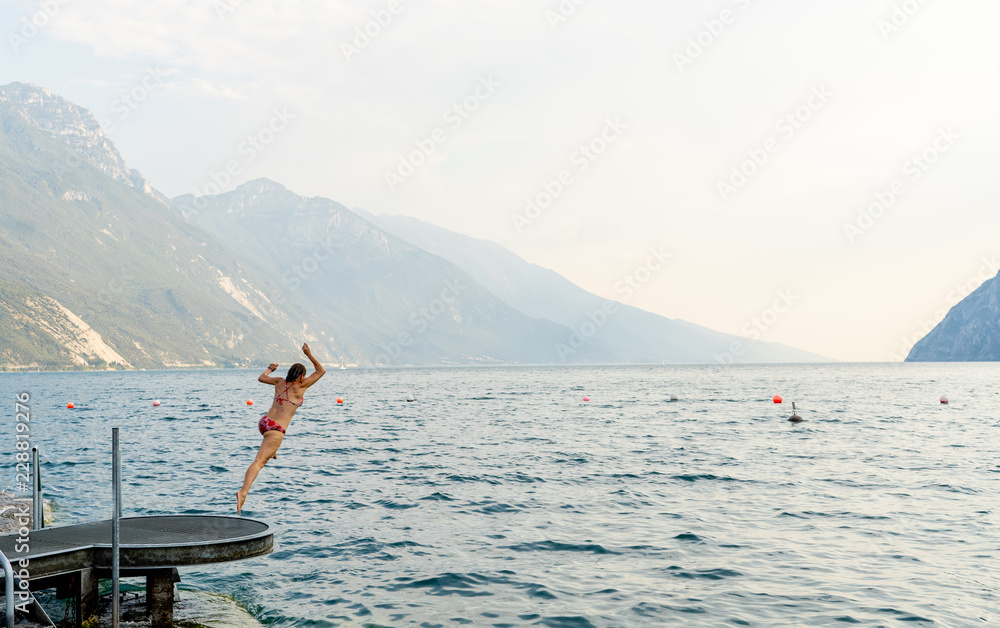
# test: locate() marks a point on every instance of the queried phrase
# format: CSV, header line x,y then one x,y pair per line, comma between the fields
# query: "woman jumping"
x,y
288,397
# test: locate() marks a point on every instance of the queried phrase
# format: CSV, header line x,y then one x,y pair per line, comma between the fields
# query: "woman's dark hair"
x,y
295,371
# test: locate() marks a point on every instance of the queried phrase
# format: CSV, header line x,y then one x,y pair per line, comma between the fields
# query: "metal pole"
x,y
116,478
8,575
37,503
118,482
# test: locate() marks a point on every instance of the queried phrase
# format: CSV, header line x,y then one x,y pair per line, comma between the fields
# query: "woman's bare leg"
x,y
268,449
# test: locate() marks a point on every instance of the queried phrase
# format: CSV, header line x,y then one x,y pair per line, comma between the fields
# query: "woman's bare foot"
x,y
240,498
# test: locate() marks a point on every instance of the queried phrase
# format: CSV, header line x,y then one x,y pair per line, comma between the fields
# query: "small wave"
x,y
706,574
399,544
524,479
556,546
447,584
689,537
470,478
706,477
388,503
906,616
566,622
956,489
496,509
438,497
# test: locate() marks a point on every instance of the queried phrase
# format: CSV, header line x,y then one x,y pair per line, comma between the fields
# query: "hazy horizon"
x,y
622,123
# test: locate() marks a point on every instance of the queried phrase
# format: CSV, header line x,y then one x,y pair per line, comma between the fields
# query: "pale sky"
x,y
682,92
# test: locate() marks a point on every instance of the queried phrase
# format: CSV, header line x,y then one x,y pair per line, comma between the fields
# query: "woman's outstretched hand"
x,y
312,379
272,366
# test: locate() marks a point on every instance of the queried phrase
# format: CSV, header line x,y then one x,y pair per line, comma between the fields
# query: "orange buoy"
x,y
776,399
340,400
249,402
70,405
156,403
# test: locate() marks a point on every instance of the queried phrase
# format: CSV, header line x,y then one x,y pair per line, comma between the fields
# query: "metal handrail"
x,y
8,574
116,480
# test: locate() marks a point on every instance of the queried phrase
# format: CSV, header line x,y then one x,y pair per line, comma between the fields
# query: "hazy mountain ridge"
x,y
970,332
636,335
100,271
397,303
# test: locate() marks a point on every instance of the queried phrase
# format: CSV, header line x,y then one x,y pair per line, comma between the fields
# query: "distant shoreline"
x,y
12,371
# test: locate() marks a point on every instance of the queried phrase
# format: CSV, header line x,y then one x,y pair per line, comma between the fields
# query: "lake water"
x,y
501,498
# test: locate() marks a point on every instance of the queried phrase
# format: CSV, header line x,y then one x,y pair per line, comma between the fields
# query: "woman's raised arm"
x,y
318,373
265,377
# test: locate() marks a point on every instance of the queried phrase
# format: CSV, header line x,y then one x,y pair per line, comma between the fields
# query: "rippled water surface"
x,y
501,498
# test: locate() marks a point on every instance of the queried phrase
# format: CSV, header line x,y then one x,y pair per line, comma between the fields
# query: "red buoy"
x,y
586,398
776,399
249,402
70,405
340,400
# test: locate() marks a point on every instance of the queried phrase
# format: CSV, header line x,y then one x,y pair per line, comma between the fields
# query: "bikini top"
x,y
281,402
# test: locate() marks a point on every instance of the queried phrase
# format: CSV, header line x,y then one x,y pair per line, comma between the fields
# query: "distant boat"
x,y
342,367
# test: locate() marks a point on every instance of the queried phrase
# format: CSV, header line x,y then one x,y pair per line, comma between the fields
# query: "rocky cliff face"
x,y
969,333
77,128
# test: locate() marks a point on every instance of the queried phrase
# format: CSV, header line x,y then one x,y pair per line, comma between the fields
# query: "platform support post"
x,y
160,597
86,596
